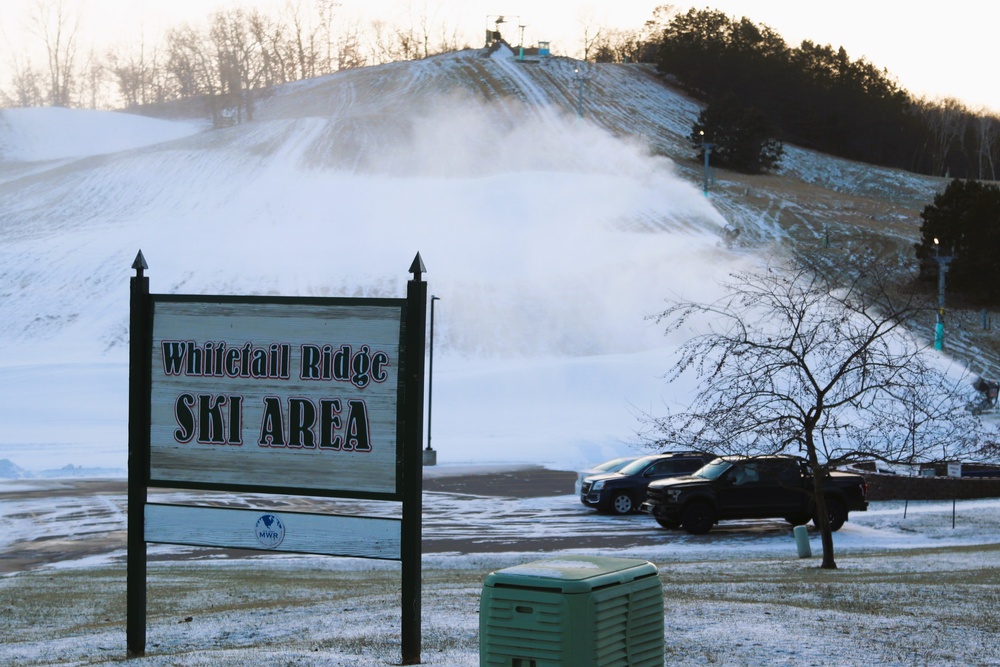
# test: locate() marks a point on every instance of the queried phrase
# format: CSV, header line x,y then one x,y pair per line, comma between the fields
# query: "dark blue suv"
x,y
624,491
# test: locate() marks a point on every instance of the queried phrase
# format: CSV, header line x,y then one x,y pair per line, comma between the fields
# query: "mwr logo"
x,y
270,531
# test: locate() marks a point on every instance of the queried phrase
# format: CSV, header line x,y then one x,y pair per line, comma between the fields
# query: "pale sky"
x,y
933,49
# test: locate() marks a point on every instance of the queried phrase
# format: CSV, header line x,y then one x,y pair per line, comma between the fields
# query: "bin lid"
x,y
571,574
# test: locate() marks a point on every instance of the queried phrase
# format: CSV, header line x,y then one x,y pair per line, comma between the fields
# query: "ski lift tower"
x,y
494,35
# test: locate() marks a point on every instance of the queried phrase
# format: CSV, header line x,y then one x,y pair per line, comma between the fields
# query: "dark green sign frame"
x,y
163,464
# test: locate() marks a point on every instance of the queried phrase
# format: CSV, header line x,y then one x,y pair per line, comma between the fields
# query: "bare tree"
x,y
945,122
306,39
57,24
348,48
817,363
239,57
450,39
279,49
424,23
408,44
987,134
191,65
383,42
632,45
591,32
132,71
331,55
95,92
26,85
618,46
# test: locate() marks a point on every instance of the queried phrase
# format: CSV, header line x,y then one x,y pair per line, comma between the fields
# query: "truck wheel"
x,y
669,524
836,514
622,504
698,517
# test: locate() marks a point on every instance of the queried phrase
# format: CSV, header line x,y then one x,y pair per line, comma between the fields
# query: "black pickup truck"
x,y
734,487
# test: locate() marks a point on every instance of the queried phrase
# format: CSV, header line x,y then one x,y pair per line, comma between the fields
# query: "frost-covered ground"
x,y
910,590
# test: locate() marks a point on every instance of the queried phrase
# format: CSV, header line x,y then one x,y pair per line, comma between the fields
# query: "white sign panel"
x,y
331,535
297,394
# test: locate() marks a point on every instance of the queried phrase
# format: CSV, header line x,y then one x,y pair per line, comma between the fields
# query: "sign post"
x,y
416,293
279,395
138,469
954,470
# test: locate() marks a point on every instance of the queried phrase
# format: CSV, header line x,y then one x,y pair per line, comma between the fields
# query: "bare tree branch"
x,y
816,362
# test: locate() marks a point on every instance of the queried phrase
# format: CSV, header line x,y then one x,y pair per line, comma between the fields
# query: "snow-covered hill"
x,y
548,237
55,133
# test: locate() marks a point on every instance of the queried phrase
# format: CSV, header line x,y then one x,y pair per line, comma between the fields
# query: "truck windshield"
x,y
714,469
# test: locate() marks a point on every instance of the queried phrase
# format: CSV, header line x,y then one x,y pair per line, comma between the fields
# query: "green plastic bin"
x,y
577,611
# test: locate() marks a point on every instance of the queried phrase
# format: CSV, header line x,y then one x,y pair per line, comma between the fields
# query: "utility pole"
x,y
430,456
706,150
943,261
580,81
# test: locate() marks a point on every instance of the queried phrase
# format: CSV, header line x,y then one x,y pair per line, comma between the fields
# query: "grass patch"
x,y
929,606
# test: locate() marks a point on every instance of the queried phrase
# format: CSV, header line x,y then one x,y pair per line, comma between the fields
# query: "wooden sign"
x,y
290,395
276,395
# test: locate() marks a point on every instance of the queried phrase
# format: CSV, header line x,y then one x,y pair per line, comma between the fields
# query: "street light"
x,y
706,150
942,261
430,456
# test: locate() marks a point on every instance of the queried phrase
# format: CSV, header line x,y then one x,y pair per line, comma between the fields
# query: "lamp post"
x,y
706,150
430,456
942,261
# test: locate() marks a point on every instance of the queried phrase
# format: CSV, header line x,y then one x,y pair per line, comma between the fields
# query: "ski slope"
x,y
549,239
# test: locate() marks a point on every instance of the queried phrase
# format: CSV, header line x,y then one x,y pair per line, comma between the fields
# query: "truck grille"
x,y
655,495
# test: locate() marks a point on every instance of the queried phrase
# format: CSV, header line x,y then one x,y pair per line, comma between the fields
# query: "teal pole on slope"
x,y
580,80
943,261
706,150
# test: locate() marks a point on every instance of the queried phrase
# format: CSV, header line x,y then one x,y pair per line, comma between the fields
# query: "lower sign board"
x,y
293,532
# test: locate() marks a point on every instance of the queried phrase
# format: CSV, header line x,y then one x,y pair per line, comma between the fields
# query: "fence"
x,y
885,486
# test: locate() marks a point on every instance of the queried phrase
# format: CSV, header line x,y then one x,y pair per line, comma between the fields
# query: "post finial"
x,y
417,267
140,263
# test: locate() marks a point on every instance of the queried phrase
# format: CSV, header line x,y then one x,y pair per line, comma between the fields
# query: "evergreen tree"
x,y
965,219
814,96
741,139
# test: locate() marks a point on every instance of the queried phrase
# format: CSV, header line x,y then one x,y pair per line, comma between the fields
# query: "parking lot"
x,y
523,510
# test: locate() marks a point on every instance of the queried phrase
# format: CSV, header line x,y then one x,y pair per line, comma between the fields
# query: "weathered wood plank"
x,y
216,419
293,532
